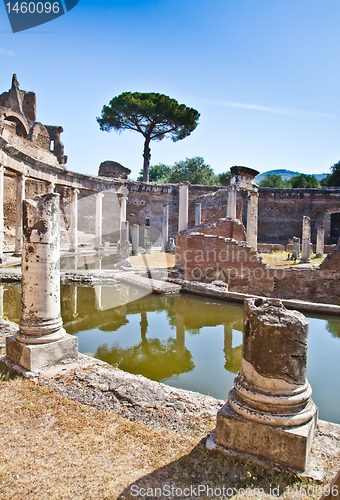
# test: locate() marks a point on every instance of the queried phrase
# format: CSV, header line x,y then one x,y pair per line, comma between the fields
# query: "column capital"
x,y
99,195
75,190
184,183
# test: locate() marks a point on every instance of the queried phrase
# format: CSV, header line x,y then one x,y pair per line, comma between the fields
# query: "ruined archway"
x,y
21,128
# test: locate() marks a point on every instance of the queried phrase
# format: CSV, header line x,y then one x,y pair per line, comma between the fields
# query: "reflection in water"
x,y
183,340
87,261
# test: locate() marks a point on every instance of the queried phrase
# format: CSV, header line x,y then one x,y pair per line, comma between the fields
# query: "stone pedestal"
x,y
74,221
39,356
269,413
306,236
41,340
252,223
296,248
165,228
135,239
198,212
18,218
183,213
320,241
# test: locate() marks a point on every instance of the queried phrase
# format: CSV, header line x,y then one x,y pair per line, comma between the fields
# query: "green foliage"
x,y
304,181
193,170
157,173
273,181
153,115
223,179
333,179
298,181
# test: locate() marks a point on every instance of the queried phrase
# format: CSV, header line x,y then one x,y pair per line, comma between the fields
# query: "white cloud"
x,y
6,52
271,109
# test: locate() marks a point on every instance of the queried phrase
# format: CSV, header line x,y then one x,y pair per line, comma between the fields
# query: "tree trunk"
x,y
147,157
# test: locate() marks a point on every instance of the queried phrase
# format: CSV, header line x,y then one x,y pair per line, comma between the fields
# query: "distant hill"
x,y
285,174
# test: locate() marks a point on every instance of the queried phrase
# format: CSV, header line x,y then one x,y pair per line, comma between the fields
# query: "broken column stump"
x,y
41,340
269,413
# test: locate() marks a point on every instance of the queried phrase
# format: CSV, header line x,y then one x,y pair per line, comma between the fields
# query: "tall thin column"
x,y
74,221
41,340
306,233
232,197
99,221
198,211
123,202
18,220
2,227
320,241
252,223
50,187
165,228
135,239
183,206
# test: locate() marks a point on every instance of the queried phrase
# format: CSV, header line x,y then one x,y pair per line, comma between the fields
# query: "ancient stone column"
x,y
18,220
74,221
296,248
198,208
2,226
183,212
51,187
135,239
306,234
232,197
99,221
123,202
41,340
252,223
147,239
124,247
165,228
269,413
320,241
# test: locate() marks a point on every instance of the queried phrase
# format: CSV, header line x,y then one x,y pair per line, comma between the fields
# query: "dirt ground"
x,y
54,448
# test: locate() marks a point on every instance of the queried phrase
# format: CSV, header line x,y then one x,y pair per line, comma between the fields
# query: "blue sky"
x,y
264,74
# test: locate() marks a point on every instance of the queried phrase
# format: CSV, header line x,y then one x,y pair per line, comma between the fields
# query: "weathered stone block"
x,y
38,356
284,446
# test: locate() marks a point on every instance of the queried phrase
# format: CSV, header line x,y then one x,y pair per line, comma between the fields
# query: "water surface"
x,y
182,340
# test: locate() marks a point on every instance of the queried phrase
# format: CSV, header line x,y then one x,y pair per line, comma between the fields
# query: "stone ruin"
x,y
269,413
113,169
18,116
41,340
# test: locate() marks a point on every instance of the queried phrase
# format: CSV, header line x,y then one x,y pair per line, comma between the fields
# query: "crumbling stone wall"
x,y
281,212
207,257
332,261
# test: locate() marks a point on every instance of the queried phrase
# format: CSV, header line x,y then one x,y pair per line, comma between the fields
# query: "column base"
x,y
288,447
319,255
304,261
38,356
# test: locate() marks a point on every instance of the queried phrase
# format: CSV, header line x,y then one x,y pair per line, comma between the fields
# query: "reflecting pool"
x,y
182,340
